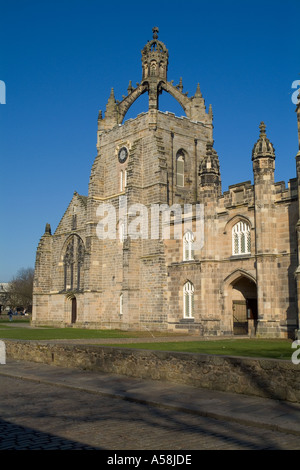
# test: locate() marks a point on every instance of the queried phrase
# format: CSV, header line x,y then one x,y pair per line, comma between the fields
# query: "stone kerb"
x,y
269,378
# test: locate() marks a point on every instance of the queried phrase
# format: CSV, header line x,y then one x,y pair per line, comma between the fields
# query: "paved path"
x,y
48,407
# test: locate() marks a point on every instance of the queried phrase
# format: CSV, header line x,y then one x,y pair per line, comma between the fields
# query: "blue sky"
x,y
59,60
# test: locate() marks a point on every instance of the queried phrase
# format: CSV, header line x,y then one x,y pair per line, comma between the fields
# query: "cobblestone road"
x,y
39,416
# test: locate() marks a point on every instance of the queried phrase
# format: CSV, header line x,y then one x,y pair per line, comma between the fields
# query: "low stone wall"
x,y
276,379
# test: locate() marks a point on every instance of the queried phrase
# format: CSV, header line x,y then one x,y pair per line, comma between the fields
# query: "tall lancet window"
x,y
188,300
73,264
180,169
121,304
241,239
123,180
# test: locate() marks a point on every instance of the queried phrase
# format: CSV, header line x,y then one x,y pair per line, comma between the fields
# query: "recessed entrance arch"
x,y
74,310
71,310
241,303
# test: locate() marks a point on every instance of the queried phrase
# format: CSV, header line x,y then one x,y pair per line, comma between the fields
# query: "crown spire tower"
x,y
155,60
155,57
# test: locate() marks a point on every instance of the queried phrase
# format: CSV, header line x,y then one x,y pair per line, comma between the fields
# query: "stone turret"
x,y
42,274
209,171
263,158
297,274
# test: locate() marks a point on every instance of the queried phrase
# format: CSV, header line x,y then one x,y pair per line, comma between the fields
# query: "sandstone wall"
x,y
276,379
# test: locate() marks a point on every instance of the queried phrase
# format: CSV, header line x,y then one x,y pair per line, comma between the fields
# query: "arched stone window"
x,y
188,300
123,180
73,263
241,238
180,168
188,246
121,304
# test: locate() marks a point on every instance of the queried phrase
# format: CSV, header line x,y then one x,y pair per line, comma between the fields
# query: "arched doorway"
x,y
244,306
74,310
240,296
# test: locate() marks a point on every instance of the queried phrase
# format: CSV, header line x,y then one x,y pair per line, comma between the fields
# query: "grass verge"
x,y
7,331
274,349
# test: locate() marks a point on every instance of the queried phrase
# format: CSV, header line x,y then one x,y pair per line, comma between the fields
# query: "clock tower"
x,y
153,159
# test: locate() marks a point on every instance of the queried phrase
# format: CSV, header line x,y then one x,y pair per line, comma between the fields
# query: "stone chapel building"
x,y
242,279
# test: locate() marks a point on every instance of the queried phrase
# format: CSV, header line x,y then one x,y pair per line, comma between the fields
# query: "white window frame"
x,y
241,238
188,300
188,246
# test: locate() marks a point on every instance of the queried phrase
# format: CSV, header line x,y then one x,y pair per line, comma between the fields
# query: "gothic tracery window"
x,y
188,246
188,300
73,264
241,239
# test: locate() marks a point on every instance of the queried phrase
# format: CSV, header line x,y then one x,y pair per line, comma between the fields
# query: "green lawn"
x,y
276,349
16,318
58,333
13,332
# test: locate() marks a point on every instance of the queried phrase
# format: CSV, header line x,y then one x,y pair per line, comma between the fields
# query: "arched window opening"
x,y
180,169
121,180
188,300
121,304
188,246
241,239
73,264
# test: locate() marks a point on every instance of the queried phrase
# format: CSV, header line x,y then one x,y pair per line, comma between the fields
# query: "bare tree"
x,y
20,289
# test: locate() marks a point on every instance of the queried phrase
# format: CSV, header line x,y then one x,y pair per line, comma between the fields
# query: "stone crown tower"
x,y
155,66
155,57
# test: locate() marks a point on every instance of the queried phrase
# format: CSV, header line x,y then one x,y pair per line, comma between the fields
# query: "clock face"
x,y
123,154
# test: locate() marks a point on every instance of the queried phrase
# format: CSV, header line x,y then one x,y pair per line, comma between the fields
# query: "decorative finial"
x,y
263,147
130,88
198,93
155,31
262,127
48,229
180,86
